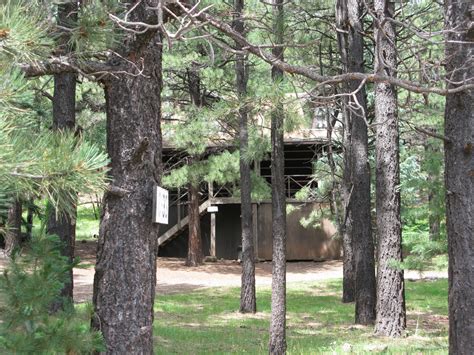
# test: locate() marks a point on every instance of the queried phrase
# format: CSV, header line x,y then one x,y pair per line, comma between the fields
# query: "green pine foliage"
x,y
51,165
94,32
28,287
36,163
23,32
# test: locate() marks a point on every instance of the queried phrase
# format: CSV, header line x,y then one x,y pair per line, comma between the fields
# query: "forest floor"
x,y
196,309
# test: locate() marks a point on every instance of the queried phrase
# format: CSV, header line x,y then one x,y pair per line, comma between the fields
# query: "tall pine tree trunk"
x,y
13,232
195,255
64,118
248,303
277,343
391,317
125,276
357,238
348,267
459,176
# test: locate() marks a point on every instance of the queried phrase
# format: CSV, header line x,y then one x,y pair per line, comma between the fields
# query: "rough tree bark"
x,y
13,232
359,279
125,275
64,118
459,176
277,344
391,317
248,303
195,254
348,267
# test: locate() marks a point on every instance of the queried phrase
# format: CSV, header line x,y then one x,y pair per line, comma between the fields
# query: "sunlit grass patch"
x,y
207,322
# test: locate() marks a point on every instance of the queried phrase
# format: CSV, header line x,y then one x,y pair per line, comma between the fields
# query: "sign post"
x,y
212,210
160,205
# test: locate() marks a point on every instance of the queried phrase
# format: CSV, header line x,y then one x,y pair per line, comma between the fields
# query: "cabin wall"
x,y
303,243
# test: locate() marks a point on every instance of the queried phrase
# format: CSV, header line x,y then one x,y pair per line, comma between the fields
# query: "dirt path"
x,y
174,277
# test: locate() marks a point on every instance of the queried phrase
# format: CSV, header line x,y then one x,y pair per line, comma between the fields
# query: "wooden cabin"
x,y
221,230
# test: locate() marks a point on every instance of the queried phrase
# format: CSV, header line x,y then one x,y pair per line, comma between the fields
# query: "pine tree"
x,y
277,343
459,176
391,314
64,118
248,303
359,265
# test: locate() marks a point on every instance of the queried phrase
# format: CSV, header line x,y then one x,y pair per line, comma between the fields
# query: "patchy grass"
x,y
87,223
206,321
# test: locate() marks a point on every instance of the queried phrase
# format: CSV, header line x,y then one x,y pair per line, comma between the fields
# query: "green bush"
x,y
28,287
421,252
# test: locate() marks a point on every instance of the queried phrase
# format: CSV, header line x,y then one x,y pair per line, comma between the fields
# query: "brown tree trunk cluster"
x,y
359,264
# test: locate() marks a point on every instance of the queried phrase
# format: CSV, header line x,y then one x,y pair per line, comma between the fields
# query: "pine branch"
x,y
311,73
63,64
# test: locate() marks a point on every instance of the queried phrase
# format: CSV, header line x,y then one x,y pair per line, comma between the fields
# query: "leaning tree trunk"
x,y
195,255
277,344
64,118
357,222
391,317
248,303
459,176
125,275
13,232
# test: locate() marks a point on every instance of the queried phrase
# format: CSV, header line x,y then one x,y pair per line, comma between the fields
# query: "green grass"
x,y
204,322
87,224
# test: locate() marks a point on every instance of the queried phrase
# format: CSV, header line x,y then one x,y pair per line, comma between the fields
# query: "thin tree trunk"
x,y
391,316
125,274
195,254
64,118
277,344
345,225
29,219
434,218
348,267
357,231
459,177
13,232
248,303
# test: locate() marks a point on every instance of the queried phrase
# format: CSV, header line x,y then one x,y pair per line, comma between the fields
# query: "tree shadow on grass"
x,y
207,322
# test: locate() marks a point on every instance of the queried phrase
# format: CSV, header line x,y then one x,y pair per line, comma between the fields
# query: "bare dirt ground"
x,y
174,277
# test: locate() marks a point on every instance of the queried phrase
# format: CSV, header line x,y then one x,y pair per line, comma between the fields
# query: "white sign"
x,y
160,205
212,209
